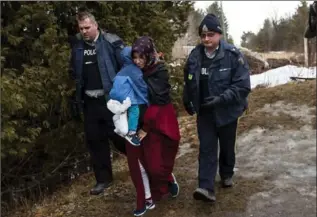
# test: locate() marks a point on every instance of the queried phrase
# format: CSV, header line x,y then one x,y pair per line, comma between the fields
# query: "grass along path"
x,y
275,170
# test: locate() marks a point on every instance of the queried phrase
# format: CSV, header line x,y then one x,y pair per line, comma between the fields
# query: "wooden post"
x,y
309,46
224,30
306,51
314,54
311,52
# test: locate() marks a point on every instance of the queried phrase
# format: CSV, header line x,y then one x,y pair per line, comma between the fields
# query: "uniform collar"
x,y
95,40
219,52
97,36
211,55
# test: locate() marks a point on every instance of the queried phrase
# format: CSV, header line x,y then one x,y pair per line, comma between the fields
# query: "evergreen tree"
x,y
298,25
285,33
37,132
35,53
248,39
194,19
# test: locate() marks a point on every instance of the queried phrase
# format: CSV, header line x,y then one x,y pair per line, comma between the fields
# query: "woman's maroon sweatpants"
x,y
157,154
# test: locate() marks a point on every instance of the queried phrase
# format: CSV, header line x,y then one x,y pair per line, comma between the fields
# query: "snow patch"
x,y
281,75
303,112
286,157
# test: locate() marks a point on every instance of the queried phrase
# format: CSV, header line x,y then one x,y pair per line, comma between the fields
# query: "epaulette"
x,y
111,37
236,52
233,49
78,36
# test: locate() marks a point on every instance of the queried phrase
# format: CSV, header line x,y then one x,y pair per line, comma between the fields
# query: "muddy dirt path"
x,y
275,176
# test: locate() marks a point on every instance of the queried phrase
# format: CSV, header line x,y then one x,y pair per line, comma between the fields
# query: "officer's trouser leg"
x,y
96,133
99,128
208,151
227,140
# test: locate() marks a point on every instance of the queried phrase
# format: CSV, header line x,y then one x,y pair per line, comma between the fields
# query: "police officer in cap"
x,y
217,84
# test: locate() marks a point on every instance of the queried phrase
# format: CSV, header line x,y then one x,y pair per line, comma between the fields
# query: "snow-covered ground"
x,y
287,158
281,75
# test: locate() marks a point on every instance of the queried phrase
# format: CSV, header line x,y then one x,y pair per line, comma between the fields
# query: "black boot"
x,y
204,195
227,183
99,188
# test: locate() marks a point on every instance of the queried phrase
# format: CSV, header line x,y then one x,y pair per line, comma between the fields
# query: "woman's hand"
x,y
141,134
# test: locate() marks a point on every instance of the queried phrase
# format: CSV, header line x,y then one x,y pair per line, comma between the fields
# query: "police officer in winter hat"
x,y
217,83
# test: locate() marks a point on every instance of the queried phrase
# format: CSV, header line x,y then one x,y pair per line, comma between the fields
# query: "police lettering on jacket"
x,y
89,52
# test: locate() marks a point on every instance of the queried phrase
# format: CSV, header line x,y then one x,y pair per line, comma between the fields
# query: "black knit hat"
x,y
210,23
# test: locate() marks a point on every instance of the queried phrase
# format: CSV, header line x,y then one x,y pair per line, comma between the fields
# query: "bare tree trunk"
x,y
306,51
311,51
223,23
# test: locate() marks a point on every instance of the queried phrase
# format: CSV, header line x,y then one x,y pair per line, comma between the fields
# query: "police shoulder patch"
x,y
190,76
241,60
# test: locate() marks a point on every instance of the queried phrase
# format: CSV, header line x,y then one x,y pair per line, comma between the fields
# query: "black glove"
x,y
190,109
211,102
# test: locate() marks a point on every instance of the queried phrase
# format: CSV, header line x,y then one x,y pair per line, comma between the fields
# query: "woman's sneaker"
x,y
133,139
139,212
149,204
173,187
